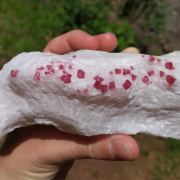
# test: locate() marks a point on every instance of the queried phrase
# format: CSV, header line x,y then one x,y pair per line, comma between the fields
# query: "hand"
x,y
45,153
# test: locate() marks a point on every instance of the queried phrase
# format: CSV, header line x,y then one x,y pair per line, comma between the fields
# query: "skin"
x,y
45,153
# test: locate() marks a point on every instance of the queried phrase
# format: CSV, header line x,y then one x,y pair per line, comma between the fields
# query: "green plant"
x,y
151,13
149,19
28,25
174,147
125,34
167,167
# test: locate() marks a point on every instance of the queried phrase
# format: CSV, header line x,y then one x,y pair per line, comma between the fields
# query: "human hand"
x,y
45,153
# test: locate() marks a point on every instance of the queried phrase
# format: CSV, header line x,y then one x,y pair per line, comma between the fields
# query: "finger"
x,y
131,50
71,41
107,41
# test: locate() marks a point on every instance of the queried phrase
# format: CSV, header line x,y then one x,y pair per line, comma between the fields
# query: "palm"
x,y
35,150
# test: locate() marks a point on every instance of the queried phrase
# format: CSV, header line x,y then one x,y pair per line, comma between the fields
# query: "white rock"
x,y
113,93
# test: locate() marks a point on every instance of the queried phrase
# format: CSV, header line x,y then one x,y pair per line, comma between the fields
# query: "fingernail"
x,y
110,33
120,150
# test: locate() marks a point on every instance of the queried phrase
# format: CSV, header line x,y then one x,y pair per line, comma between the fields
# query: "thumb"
x,y
113,147
46,149
108,147
131,50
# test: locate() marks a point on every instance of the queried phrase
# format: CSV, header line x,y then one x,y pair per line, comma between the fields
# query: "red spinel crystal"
x,y
133,77
117,71
37,76
80,74
53,70
61,66
97,84
64,72
14,73
161,74
66,78
49,67
104,88
127,84
47,73
98,78
170,79
151,58
112,85
150,73
169,65
126,71
40,68
145,80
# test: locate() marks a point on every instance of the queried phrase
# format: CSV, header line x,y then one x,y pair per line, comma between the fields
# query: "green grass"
x,y
29,25
168,164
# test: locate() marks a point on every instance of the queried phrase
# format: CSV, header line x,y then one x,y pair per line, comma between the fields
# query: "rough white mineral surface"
x,y
92,92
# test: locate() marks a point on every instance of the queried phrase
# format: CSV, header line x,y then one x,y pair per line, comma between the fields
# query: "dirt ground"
x,y
153,164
